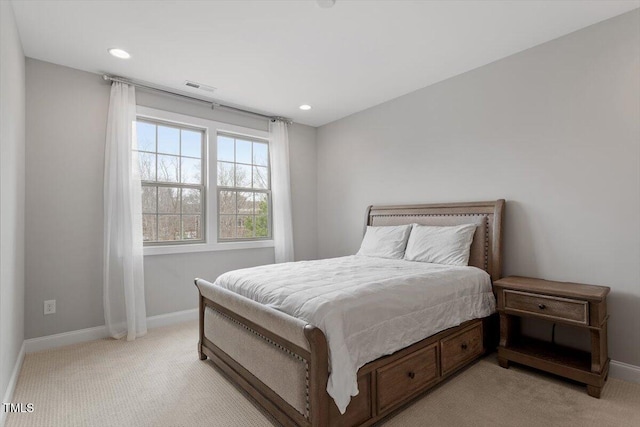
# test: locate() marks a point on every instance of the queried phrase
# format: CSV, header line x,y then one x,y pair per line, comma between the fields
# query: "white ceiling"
x,y
272,56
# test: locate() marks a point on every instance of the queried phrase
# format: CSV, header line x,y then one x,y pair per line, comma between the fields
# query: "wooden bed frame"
x,y
283,363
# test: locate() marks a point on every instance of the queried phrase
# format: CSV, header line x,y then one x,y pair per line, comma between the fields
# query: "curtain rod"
x,y
213,104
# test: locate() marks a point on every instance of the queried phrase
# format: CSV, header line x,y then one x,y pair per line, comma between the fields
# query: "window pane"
x,y
171,160
168,200
245,203
168,227
191,200
227,202
168,168
149,228
254,227
260,177
191,143
225,174
244,227
149,199
243,151
225,148
262,206
192,227
146,136
262,215
243,176
168,140
260,154
227,226
191,171
262,226
147,163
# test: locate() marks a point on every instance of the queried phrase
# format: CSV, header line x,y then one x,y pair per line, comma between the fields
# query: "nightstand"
x,y
582,306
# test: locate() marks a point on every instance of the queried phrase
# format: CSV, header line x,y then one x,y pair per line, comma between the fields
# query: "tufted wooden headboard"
x,y
486,249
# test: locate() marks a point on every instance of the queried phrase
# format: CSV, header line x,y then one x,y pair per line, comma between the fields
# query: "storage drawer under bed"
x,y
460,348
406,376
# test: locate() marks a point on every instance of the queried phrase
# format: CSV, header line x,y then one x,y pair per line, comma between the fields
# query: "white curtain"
x,y
281,191
124,307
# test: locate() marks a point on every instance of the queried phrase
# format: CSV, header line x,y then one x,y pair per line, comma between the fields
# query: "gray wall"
x,y
12,173
66,121
304,164
555,130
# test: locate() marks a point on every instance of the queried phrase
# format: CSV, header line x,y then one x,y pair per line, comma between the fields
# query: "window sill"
x,y
206,247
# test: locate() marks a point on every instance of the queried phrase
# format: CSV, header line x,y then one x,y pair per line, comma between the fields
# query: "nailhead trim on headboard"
x,y
486,243
486,232
279,347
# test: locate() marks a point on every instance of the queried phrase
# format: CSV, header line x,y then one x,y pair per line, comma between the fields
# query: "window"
x,y
244,190
187,205
171,159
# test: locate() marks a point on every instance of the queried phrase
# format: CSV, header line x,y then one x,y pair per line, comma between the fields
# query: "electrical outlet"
x,y
50,306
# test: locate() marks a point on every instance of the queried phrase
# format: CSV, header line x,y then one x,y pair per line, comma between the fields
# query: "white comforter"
x,y
367,307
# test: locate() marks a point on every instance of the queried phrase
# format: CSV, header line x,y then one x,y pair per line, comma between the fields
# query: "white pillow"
x,y
385,242
440,245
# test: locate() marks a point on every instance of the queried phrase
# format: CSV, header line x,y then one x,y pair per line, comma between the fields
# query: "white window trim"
x,y
211,195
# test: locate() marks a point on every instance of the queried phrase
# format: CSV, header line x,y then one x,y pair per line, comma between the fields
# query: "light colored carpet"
x,y
159,381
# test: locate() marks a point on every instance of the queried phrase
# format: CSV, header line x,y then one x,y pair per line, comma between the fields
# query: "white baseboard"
x,y
66,338
172,318
11,387
624,371
90,334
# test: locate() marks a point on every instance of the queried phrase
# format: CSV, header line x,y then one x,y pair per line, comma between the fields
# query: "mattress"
x,y
366,307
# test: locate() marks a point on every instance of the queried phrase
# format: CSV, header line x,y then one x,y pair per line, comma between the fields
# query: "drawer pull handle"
x,y
542,306
463,346
412,375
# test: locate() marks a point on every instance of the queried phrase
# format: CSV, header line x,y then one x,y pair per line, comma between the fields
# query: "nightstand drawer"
x,y
549,307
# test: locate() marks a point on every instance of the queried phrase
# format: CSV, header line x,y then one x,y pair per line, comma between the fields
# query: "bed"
x,y
282,360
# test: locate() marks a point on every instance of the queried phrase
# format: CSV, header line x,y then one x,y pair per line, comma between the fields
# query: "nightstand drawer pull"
x,y
542,306
412,375
463,346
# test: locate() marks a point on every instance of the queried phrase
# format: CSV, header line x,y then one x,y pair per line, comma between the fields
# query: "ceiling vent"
x,y
200,86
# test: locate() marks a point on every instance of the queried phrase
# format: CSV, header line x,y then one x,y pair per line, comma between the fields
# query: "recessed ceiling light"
x,y
305,107
325,4
119,53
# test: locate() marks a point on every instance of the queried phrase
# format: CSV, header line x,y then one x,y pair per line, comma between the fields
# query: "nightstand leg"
x,y
507,329
599,348
503,362
594,391
508,324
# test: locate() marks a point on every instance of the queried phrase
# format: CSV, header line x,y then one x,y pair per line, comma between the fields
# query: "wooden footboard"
x,y
285,376
385,384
